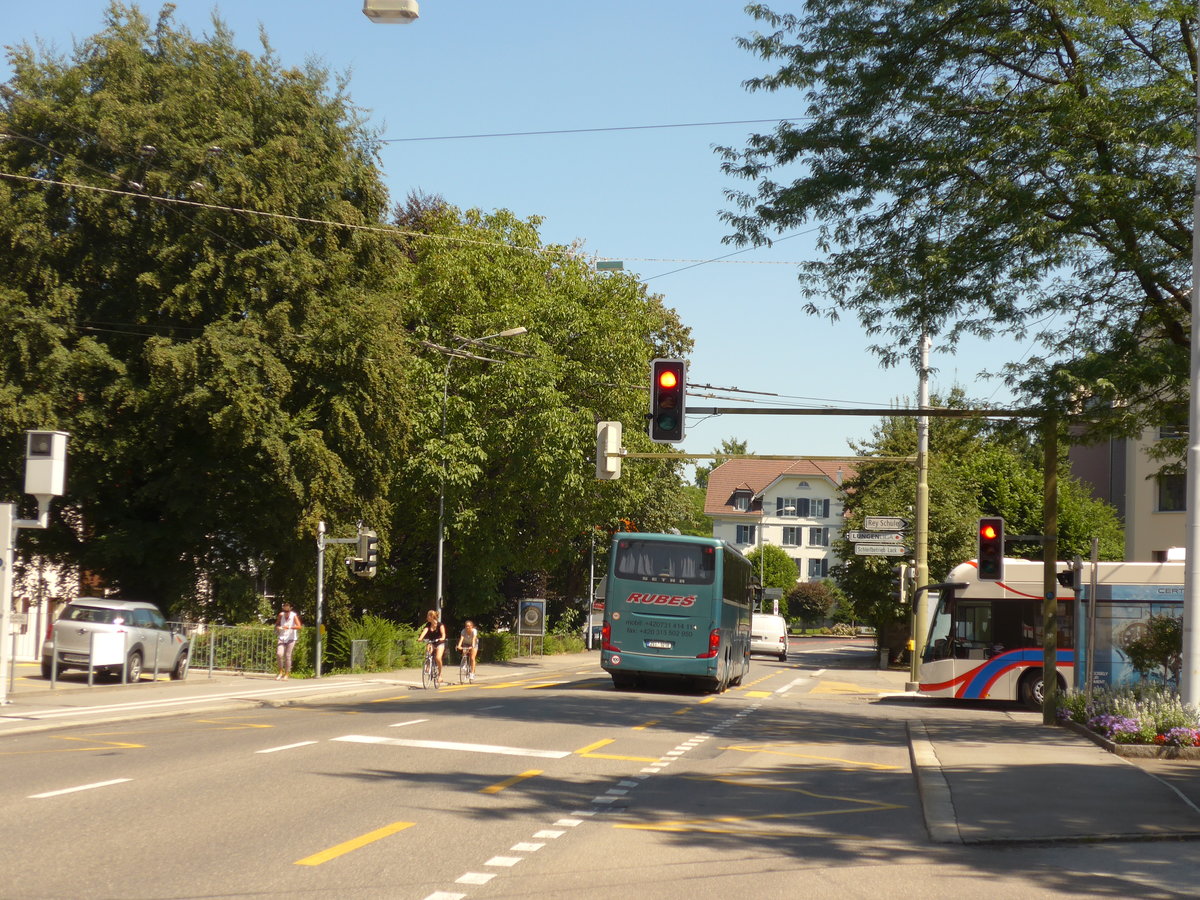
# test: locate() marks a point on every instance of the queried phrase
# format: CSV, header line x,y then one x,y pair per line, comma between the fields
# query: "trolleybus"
x,y
985,639
676,607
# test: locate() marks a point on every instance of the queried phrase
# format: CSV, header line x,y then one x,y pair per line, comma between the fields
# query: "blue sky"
x,y
648,196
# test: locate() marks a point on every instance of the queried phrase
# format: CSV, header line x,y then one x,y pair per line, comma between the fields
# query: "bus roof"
x,y
1023,577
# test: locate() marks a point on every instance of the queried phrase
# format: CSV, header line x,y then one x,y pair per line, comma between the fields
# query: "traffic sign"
x,y
875,537
880,550
885,523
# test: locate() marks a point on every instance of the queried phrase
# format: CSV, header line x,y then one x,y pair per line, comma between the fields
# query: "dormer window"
x,y
741,501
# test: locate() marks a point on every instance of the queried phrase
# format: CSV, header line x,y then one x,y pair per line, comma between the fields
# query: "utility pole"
x,y
1189,672
1050,560
921,557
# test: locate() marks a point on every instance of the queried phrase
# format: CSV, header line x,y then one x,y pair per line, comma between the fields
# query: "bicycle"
x,y
429,669
464,668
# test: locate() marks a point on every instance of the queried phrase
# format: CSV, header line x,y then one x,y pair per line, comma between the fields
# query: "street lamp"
x,y
762,544
391,12
458,351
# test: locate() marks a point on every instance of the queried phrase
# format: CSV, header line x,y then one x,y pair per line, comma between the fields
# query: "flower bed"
x,y
1143,720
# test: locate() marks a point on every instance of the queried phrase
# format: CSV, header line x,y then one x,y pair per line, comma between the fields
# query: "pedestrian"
x,y
434,631
468,643
287,629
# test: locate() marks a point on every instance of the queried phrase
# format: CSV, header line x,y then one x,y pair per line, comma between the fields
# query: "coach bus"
x,y
985,639
676,607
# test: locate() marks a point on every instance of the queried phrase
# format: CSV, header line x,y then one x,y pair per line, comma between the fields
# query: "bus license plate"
x,y
660,645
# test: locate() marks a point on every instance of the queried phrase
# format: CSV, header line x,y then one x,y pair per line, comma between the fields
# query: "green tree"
x,y
974,469
515,453
1156,648
1007,169
695,522
811,601
228,379
775,568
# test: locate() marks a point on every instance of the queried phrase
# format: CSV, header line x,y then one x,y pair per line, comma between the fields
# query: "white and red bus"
x,y
985,639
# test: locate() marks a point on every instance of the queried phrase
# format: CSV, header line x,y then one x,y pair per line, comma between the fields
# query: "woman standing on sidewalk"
x,y
287,629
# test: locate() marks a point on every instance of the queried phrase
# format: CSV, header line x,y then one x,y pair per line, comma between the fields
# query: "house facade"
x,y
1151,505
795,504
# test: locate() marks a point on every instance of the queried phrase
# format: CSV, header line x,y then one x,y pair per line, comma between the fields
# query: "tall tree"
x,y
995,168
228,378
730,447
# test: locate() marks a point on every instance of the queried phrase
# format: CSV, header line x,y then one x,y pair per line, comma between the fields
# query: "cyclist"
x,y
434,632
468,644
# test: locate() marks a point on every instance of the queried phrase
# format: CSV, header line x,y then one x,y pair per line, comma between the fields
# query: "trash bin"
x,y
883,658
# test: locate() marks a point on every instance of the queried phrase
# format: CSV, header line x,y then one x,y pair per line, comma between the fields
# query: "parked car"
x,y
768,634
149,642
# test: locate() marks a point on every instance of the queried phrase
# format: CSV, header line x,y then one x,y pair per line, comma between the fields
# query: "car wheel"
x,y
47,665
181,668
133,668
783,656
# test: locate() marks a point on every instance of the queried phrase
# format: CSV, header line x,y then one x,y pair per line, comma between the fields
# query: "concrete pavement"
x,y
984,776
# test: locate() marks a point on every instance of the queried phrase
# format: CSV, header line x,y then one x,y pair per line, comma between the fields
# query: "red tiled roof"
x,y
755,475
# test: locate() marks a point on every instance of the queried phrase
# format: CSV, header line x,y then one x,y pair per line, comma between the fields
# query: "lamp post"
x,y
458,351
762,547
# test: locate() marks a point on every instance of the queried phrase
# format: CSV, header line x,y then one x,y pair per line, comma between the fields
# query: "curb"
x,y
937,805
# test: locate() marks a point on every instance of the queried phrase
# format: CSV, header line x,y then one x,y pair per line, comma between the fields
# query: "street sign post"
x,y
880,550
885,523
876,537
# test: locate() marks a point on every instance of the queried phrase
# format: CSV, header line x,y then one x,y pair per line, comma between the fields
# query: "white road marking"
x,y
526,847
409,722
505,861
455,745
444,895
285,747
548,834
475,878
569,823
82,787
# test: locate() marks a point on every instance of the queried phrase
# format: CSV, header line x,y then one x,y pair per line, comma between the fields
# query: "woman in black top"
x,y
434,632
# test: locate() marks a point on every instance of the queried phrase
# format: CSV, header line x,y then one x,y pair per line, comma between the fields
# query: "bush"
x,y
384,639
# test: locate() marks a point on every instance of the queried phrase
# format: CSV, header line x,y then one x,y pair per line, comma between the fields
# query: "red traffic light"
x,y
667,378
991,548
668,382
988,531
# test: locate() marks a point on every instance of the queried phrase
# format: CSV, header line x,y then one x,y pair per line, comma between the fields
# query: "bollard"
x,y
883,659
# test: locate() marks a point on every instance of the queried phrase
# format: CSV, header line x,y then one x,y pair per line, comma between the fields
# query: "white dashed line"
x,y
475,878
409,722
82,787
548,834
504,861
526,847
285,747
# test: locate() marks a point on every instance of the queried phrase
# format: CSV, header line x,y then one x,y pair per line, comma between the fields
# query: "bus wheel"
x,y
1032,688
622,682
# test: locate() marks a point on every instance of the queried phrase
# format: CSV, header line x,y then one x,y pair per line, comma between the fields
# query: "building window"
x,y
1170,432
745,534
787,506
792,535
741,501
818,568
818,537
1172,493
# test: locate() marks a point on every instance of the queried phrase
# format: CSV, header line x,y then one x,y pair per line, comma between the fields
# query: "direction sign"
x,y
885,523
875,537
880,550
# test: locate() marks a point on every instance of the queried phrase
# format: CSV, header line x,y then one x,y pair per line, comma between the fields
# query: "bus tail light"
x,y
606,638
714,645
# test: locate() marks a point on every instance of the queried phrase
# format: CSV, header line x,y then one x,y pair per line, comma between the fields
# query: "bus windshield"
x,y
663,562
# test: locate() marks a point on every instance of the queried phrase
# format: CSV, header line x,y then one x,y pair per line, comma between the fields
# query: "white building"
x,y
795,504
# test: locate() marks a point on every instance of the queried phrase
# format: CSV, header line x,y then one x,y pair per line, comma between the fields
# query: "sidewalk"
x,y
982,779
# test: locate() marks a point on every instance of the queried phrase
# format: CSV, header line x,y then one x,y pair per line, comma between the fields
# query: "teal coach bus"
x,y
676,607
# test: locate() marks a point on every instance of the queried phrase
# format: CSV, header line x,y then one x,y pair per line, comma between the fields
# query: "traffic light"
x,y
668,380
903,573
991,548
368,554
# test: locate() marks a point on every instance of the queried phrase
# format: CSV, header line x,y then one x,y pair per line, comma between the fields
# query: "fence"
x,y
236,648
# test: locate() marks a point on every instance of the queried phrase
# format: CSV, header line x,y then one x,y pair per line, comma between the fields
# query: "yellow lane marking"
x,y
841,687
543,684
851,763
645,725
758,693
680,712
587,752
707,699
388,699
353,844
509,782
234,725
103,745
596,746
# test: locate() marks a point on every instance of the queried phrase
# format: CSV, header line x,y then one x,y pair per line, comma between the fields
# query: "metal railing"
x,y
230,648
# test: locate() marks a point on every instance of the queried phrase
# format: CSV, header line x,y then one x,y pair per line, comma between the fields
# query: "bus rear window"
x,y
665,562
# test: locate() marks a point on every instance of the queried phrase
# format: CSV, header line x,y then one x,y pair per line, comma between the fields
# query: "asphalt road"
x,y
797,784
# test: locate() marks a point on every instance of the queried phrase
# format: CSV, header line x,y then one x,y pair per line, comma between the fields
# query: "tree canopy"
x,y
1020,169
205,284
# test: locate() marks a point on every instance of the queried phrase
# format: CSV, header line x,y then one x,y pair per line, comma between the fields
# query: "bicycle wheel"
x,y
464,670
427,670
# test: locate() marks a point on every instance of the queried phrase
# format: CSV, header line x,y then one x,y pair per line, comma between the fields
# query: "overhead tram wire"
x,y
501,134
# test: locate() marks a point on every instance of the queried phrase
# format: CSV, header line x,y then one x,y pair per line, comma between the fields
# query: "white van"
x,y
768,634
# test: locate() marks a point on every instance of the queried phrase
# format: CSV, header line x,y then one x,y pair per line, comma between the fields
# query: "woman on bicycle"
x,y
468,644
435,633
